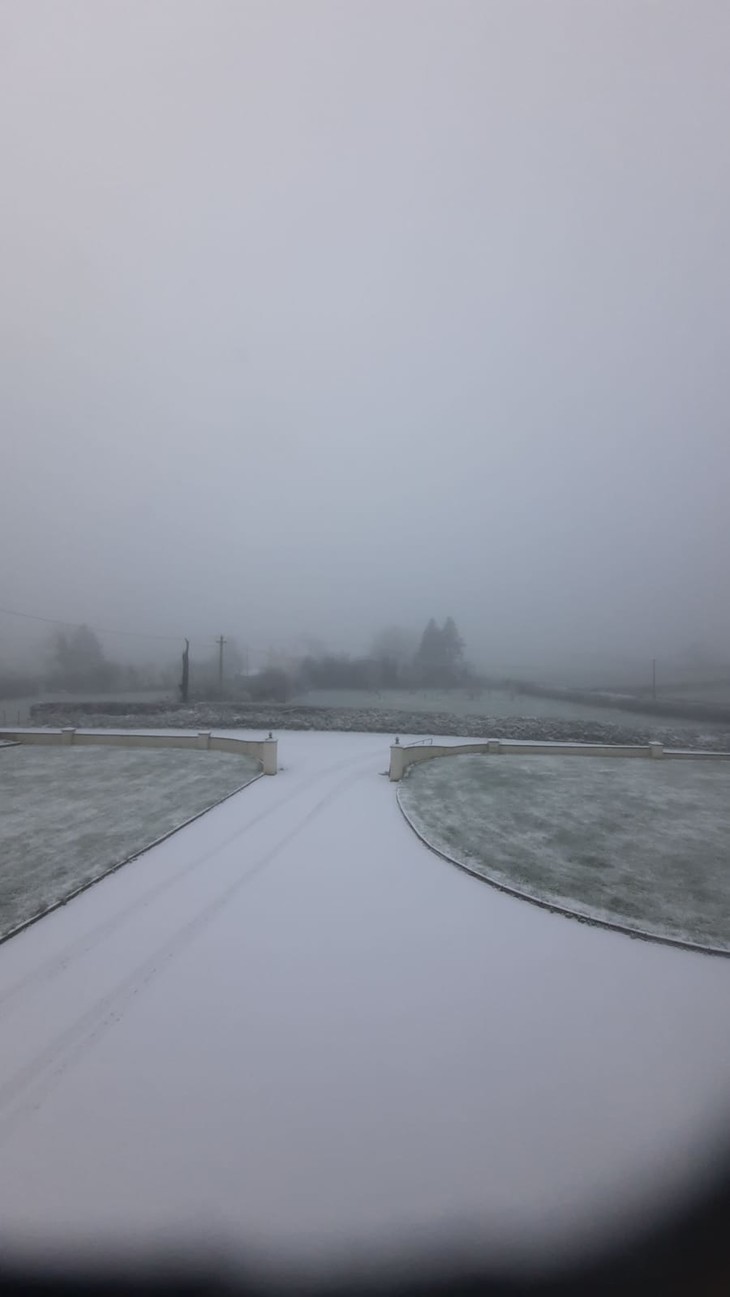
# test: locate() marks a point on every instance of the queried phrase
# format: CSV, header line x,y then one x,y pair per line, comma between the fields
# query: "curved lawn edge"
x,y
553,906
112,869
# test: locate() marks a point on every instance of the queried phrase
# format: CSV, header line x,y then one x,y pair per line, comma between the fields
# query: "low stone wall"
x,y
262,750
403,756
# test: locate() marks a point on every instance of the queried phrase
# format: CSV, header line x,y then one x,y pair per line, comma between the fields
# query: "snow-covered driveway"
x,y
291,1024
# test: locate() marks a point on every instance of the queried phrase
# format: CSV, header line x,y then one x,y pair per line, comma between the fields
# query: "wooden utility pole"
x,y
184,683
221,641
653,678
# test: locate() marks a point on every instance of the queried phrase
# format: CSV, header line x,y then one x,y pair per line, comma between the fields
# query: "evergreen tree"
x,y
428,657
440,656
80,662
452,647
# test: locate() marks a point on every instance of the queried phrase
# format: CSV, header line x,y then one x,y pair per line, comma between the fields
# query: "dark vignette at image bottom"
x,y
686,1254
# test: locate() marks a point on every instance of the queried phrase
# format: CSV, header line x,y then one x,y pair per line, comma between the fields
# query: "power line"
x,y
133,634
100,630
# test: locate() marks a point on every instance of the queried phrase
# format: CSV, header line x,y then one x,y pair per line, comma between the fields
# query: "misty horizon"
x,y
322,318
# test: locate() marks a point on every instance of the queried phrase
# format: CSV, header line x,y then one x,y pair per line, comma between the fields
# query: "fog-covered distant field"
x,y
462,702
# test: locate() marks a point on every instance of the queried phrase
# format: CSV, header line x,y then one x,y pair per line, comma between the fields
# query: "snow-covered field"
x,y
69,814
645,844
463,702
292,1028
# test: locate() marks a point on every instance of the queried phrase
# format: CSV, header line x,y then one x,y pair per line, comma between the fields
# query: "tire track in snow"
x,y
25,1090
80,946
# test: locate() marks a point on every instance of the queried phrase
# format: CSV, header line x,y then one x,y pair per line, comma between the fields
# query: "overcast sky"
x,y
319,315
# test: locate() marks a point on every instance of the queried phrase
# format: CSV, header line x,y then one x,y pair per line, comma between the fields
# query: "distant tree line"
x,y
78,662
75,662
17,684
397,660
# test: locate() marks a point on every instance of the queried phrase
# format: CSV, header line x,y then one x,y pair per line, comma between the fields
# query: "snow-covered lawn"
x,y
67,815
645,844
